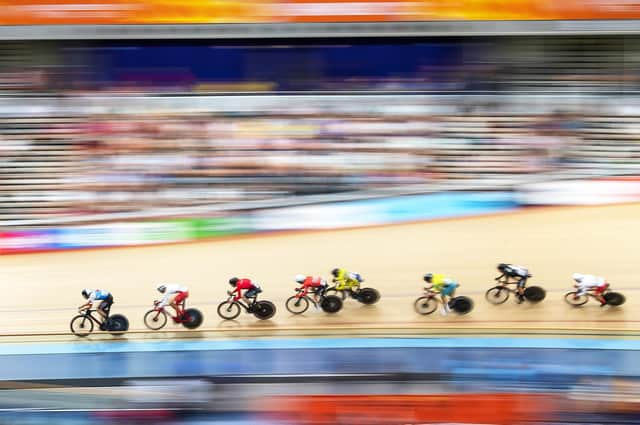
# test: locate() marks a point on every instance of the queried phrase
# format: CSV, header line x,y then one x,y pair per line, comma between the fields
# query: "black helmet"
x,y
335,272
86,293
502,267
233,281
427,277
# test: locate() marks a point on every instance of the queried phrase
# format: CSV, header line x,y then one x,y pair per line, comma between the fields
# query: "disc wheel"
x,y
155,319
497,295
461,305
117,324
368,296
264,310
572,298
81,325
331,304
425,305
535,294
193,318
614,298
297,305
228,310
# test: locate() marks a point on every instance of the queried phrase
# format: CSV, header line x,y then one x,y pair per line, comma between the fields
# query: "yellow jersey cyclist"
x,y
346,280
443,285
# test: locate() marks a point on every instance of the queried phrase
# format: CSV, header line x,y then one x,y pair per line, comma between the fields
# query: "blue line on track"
x,y
82,347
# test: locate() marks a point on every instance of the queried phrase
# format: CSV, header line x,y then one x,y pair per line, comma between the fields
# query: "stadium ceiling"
x,y
319,30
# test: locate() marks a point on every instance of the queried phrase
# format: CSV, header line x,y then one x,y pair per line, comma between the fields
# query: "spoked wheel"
x,y
297,305
535,294
572,298
614,298
497,295
331,304
425,305
264,310
333,291
155,319
192,318
368,296
117,324
461,305
228,310
81,325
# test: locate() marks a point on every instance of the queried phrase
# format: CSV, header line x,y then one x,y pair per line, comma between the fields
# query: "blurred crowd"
x,y
89,159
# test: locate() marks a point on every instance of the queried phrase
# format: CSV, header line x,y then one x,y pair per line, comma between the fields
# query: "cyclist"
x,y
174,295
443,285
105,298
252,289
346,280
587,282
518,273
317,284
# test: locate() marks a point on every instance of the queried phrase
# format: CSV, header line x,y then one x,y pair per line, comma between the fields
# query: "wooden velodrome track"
x,y
41,291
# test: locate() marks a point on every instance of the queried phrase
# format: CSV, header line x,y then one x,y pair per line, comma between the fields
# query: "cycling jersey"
x,y
182,291
347,280
98,295
244,284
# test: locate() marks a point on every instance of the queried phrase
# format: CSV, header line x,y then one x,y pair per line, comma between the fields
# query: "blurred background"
x,y
127,123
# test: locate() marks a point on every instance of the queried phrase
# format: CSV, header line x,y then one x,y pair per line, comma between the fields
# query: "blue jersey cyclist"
x,y
93,295
443,285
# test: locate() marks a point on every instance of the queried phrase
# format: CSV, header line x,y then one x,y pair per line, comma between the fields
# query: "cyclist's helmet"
x,y
161,288
335,272
86,293
300,278
233,281
577,277
427,277
502,267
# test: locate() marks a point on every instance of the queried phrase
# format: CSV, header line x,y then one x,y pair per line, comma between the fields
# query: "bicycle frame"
x,y
310,299
246,307
180,313
88,315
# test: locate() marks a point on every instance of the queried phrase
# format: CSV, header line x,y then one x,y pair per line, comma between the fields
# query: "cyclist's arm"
x,y
237,290
164,300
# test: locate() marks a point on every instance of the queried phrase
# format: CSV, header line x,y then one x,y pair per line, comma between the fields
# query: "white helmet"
x,y
577,277
300,278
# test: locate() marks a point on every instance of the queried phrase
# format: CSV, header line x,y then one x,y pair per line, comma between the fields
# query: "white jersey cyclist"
x,y
170,292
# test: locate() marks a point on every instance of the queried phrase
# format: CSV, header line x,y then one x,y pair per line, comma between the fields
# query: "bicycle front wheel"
x,y
81,325
228,310
497,295
155,319
572,298
425,305
297,305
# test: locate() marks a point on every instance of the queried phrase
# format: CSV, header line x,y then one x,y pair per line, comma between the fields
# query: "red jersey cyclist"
x,y
251,289
317,284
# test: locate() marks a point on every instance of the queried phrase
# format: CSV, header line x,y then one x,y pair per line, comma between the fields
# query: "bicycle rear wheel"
x,y
535,294
192,318
461,304
368,296
117,324
425,305
331,304
614,298
81,325
264,310
155,319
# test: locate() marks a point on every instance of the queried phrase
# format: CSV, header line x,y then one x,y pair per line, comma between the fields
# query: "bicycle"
x,y
365,296
82,324
298,303
231,308
428,303
156,318
612,298
500,293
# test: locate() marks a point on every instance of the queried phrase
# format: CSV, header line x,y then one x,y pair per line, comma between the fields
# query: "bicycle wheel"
x,y
497,295
192,318
614,298
368,296
297,305
461,304
155,319
81,325
117,324
535,294
425,305
572,298
336,293
331,304
228,310
264,310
